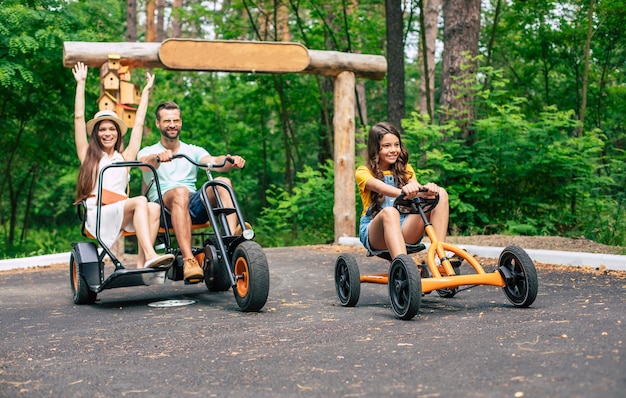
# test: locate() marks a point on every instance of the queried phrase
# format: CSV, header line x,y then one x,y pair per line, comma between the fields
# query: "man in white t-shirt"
x,y
177,180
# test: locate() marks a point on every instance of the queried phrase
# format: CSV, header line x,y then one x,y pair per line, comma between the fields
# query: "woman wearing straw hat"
x,y
129,214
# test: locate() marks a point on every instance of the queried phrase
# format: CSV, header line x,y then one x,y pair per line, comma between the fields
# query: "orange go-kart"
x,y
407,281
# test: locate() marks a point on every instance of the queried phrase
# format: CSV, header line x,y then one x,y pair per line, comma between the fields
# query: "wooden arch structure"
x,y
261,57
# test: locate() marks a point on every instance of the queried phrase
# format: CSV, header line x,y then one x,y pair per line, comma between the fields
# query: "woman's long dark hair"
x,y
87,173
398,169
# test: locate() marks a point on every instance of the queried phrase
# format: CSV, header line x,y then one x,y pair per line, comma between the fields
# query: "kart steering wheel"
x,y
411,206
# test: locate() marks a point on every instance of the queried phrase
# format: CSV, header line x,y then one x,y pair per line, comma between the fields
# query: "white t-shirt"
x,y
178,172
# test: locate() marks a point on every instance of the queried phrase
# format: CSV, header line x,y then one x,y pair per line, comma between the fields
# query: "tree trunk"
x,y
150,27
131,20
583,105
492,35
361,112
395,62
344,210
429,38
160,22
176,25
460,36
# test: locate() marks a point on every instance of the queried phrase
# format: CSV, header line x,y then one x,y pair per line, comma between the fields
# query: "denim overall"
x,y
367,218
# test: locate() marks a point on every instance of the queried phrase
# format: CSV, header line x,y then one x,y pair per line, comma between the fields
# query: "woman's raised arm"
x,y
130,153
80,131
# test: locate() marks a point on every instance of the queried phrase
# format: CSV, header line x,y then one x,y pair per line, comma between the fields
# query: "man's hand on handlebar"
x,y
237,161
165,156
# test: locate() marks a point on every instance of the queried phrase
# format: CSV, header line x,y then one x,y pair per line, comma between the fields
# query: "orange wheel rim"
x,y
241,270
74,275
200,258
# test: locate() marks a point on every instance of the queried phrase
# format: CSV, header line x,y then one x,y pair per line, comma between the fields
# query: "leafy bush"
x,y
304,216
521,176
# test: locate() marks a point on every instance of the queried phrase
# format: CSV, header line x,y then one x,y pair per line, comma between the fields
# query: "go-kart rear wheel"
x,y
347,280
520,276
252,276
405,287
80,290
216,277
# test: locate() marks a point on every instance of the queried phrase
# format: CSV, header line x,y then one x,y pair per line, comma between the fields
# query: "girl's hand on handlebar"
x,y
429,190
411,190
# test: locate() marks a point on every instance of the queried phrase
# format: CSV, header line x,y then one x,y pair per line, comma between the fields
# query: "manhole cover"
x,y
171,303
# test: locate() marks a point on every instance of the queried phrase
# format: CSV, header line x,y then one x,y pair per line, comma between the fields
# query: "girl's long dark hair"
x,y
87,174
398,169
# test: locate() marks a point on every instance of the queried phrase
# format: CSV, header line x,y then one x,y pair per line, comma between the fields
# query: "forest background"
x,y
521,115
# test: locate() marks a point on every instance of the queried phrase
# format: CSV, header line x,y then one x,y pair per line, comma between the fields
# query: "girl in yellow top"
x,y
386,175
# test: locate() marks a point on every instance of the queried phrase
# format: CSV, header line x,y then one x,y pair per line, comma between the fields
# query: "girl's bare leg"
x,y
440,214
385,233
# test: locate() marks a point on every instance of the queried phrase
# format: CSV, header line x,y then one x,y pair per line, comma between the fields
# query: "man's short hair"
x,y
166,105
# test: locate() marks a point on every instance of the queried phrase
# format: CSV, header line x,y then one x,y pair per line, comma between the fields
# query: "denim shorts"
x,y
364,225
197,211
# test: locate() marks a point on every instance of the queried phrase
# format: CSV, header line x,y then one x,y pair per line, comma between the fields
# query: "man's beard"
x,y
165,134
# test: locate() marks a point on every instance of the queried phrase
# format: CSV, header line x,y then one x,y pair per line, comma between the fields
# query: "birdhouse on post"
x,y
107,101
126,113
129,93
117,93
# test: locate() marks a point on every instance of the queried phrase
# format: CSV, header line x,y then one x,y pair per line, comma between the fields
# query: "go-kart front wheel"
x,y
80,291
520,276
347,280
405,287
252,276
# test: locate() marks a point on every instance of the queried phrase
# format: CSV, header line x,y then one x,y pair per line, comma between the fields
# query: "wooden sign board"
x,y
233,56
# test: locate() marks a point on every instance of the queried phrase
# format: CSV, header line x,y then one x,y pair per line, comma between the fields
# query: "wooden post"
x,y
344,209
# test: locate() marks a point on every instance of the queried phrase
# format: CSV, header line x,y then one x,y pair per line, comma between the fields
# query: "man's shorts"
x,y
197,211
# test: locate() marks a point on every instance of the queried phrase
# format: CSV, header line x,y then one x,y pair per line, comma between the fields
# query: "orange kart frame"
x,y
516,273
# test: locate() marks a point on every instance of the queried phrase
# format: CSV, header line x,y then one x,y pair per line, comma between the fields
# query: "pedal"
x,y
193,281
424,271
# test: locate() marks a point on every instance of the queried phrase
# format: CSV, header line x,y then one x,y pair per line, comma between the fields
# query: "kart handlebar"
x,y
205,166
410,206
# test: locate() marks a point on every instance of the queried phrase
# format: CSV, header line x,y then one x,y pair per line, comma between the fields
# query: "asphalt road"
x,y
569,343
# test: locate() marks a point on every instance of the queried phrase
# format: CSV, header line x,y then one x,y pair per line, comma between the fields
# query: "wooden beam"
x,y
133,54
332,63
146,55
344,209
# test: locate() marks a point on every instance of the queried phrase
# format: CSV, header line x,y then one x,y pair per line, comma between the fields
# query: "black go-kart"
x,y
230,259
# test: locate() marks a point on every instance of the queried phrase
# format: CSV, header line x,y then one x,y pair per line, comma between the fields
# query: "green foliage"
x,y
520,176
42,240
304,216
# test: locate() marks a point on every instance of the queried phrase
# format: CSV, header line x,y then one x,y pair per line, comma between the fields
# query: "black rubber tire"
x,y
347,280
80,290
216,277
522,284
252,276
405,287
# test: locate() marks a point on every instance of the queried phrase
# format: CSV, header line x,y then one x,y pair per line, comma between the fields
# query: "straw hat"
x,y
106,115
